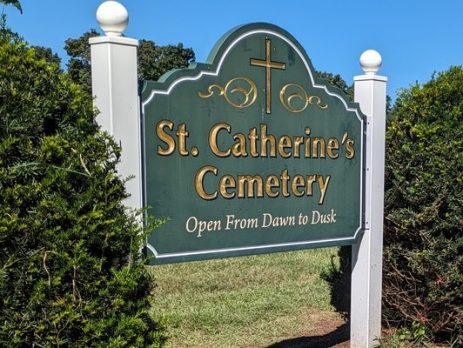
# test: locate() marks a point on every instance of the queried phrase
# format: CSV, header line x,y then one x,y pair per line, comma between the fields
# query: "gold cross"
x,y
268,65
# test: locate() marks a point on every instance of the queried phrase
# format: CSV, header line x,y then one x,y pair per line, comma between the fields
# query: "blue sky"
x,y
415,38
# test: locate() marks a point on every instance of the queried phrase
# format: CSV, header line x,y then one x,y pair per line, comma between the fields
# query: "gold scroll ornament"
x,y
234,92
294,98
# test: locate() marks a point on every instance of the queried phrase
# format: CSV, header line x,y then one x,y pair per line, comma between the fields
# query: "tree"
x,y
338,82
70,269
15,3
79,67
153,60
423,251
47,54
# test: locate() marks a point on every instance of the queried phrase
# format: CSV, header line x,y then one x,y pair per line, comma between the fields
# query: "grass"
x,y
243,302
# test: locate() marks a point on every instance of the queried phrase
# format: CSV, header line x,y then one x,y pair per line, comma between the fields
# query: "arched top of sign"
x,y
293,96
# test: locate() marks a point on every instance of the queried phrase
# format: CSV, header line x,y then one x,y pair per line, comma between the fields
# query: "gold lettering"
x,y
332,148
284,182
164,137
250,181
350,151
182,134
253,137
298,141
264,139
298,182
310,180
239,147
199,183
284,143
318,148
227,182
272,182
323,185
213,139
252,186
307,144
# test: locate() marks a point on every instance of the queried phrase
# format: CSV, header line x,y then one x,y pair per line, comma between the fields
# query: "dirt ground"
x,y
334,333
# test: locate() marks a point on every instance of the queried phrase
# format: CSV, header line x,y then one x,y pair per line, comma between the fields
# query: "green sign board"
x,y
250,153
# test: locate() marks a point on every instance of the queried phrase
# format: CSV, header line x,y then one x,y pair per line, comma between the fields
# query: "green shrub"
x,y
70,272
404,338
423,265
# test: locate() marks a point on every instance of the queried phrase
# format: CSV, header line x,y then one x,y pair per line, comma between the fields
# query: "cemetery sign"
x,y
250,153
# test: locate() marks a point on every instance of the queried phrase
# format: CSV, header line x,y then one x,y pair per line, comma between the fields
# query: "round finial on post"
x,y
370,61
112,17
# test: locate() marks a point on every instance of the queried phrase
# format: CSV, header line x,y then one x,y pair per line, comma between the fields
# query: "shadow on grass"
x,y
338,336
339,280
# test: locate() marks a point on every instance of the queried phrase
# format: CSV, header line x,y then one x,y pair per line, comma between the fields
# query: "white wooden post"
x,y
370,93
115,89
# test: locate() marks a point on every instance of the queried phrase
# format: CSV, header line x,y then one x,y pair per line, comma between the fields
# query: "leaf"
x,y
15,3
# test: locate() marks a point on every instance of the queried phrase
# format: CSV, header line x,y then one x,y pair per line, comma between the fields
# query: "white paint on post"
x,y
370,93
115,89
